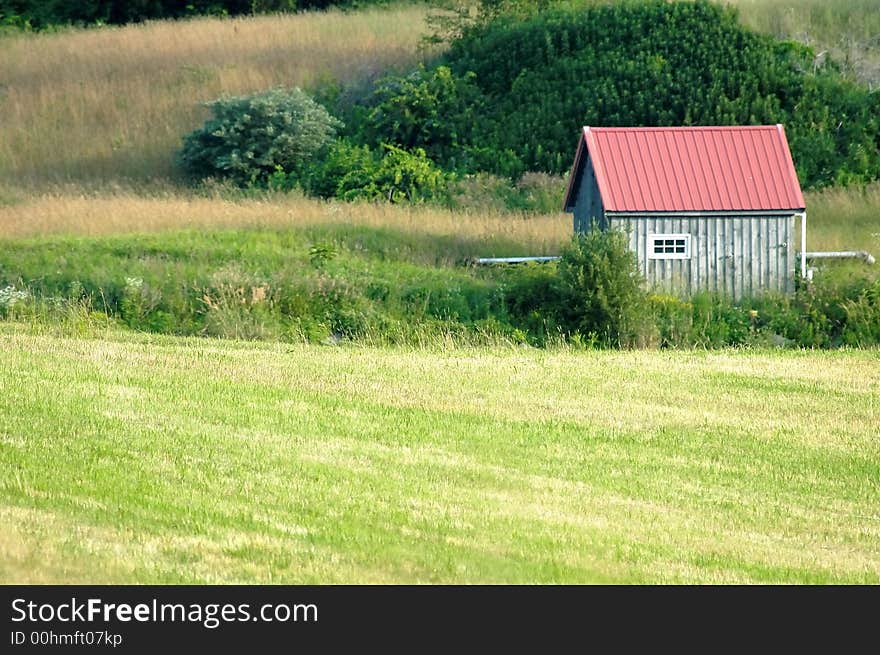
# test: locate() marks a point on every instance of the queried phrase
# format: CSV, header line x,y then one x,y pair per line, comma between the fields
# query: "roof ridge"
x,y
682,128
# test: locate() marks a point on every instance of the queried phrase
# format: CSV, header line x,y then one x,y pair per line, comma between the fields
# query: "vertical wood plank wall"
x,y
738,256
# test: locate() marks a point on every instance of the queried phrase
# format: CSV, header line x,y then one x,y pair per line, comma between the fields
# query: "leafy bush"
x,y
398,176
324,176
12,299
601,289
141,307
673,319
351,172
429,109
719,322
251,137
408,175
863,318
839,308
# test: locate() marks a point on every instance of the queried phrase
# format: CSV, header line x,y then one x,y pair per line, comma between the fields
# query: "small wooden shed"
x,y
706,208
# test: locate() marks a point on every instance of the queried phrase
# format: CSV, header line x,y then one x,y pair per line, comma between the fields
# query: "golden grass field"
x,y
127,212
838,218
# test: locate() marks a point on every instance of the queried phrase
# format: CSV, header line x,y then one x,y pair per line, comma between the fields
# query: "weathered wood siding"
x,y
588,203
739,256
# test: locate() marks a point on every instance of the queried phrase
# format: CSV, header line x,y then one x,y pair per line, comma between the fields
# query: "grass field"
x,y
135,459
127,213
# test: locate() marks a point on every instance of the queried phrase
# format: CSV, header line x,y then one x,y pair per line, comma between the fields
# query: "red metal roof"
x,y
670,169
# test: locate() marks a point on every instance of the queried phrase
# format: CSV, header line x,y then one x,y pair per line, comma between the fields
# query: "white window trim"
x,y
688,239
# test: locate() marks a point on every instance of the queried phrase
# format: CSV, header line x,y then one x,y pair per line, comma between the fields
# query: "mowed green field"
x,y
133,458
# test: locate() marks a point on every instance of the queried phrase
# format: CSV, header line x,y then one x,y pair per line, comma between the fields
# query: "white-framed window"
x,y
669,246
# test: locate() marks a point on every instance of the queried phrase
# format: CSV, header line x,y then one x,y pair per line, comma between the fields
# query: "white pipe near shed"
x,y
842,254
514,260
803,216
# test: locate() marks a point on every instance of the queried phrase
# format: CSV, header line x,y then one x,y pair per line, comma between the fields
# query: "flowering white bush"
x,y
10,296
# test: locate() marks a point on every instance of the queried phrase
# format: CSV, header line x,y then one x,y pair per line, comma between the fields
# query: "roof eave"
x,y
792,173
573,181
611,213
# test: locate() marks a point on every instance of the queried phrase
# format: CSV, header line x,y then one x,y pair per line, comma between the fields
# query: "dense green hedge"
x,y
516,89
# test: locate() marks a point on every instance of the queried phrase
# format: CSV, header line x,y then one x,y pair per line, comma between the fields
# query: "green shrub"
x,y
601,288
352,172
399,175
838,308
13,301
793,320
41,14
863,318
324,176
673,319
717,321
534,300
251,137
434,110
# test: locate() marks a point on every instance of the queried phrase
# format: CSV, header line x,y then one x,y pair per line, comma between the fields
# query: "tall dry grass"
x,y
96,105
838,219
122,212
844,219
848,29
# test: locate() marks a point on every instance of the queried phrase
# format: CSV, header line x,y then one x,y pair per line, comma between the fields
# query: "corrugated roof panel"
x,y
693,168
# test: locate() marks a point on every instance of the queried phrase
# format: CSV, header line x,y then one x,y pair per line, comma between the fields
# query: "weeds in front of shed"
x,y
383,286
